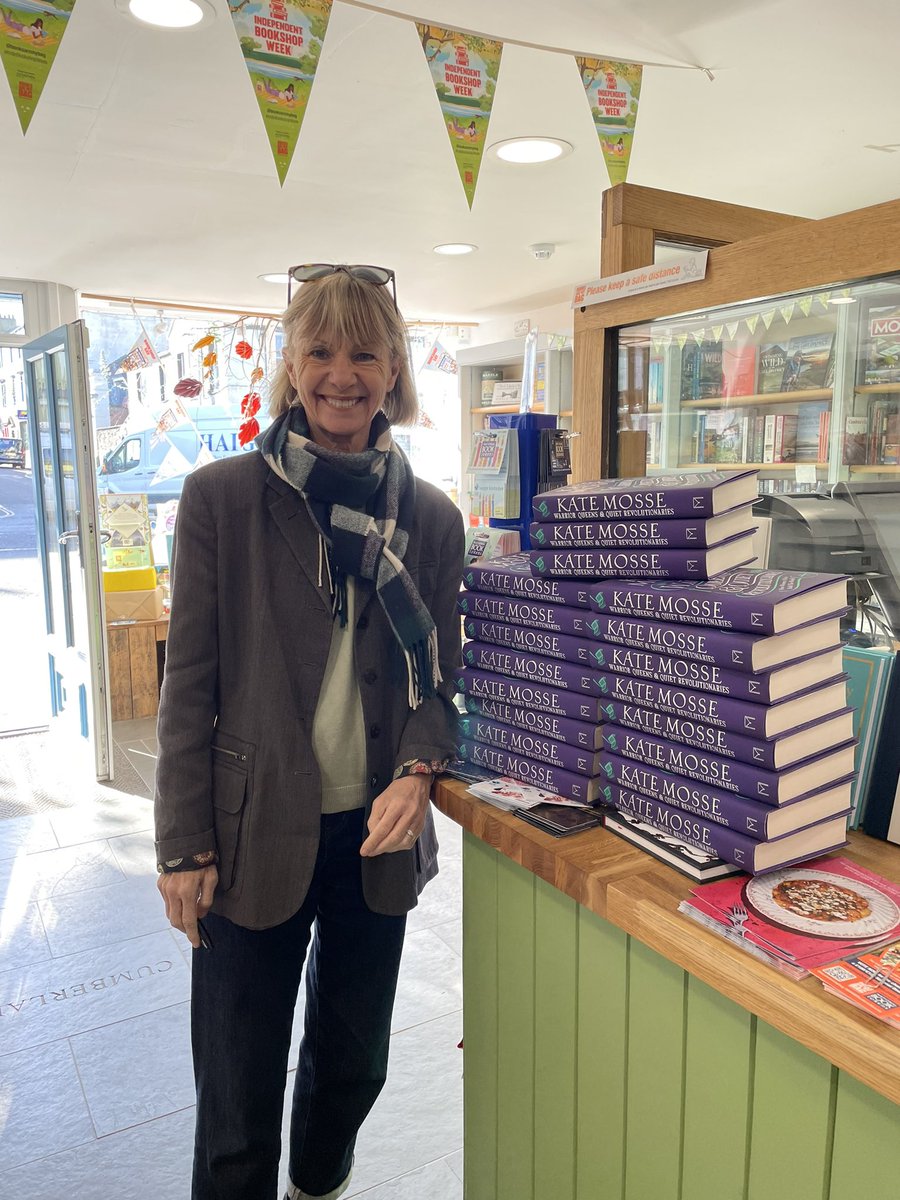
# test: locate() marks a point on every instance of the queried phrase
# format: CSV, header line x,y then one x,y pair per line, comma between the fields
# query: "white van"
x,y
136,464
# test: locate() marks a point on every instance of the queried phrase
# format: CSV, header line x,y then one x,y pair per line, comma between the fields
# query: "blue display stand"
x,y
528,427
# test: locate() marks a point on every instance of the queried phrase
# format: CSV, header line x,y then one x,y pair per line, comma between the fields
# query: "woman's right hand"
x,y
188,895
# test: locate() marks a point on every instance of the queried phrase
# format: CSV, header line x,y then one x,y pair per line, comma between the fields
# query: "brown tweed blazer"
x,y
248,641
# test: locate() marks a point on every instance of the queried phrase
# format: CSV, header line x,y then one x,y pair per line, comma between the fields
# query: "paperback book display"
x,y
710,713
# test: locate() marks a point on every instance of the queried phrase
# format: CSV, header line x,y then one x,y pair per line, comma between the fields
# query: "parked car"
x,y
12,453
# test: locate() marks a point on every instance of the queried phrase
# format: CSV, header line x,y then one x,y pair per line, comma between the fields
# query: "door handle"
x,y
68,535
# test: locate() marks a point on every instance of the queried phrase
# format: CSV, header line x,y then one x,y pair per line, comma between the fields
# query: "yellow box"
x,y
130,579
144,605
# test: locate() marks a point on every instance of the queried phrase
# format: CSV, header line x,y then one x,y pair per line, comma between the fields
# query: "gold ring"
x,y
410,834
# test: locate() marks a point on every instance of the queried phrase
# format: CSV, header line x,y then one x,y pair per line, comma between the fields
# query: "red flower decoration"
x,y
188,387
243,350
250,404
248,431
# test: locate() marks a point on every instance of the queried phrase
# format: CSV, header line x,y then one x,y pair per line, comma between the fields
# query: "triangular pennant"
x,y
752,322
281,41
142,354
732,328
787,311
768,318
464,69
175,463
699,336
805,304
681,339
613,90
717,331
824,298
30,36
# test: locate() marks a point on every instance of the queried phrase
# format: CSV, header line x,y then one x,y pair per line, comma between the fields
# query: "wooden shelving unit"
x,y
871,389
799,397
505,408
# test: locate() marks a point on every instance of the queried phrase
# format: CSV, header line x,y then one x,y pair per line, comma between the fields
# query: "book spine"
x,y
527,586
553,672
563,729
664,534
598,564
639,504
768,454
523,742
556,618
720,712
533,641
724,649
726,742
730,775
542,775
715,839
667,668
520,693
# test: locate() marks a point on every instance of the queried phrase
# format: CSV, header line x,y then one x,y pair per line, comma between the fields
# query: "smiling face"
x,y
341,387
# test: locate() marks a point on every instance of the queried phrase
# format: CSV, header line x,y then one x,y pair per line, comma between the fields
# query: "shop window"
x,y
125,458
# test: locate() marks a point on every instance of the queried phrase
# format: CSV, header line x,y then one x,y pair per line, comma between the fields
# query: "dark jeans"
x,y
242,1004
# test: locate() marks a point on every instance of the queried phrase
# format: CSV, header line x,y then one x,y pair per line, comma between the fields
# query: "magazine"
x,y
869,980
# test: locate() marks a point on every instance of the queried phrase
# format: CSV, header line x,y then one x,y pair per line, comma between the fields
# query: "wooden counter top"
x,y
641,896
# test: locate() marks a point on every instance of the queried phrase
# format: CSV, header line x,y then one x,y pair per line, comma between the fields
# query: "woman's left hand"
x,y
396,814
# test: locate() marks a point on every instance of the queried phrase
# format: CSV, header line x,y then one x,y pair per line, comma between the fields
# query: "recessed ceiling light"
x,y
455,248
842,300
168,14
531,149
274,277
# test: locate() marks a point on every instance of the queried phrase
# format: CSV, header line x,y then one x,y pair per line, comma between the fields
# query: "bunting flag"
x,y
281,41
717,331
805,304
613,90
752,322
787,311
440,360
141,354
464,69
30,35
768,318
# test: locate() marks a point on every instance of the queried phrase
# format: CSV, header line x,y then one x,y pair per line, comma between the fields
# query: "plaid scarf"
x,y
362,508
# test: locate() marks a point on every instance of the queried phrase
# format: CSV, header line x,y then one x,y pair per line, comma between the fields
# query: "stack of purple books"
x,y
709,712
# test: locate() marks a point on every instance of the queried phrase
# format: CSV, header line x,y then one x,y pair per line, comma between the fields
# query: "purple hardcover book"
x,y
521,693
756,720
512,576
750,855
530,745
771,754
698,494
564,729
557,618
699,563
535,641
663,533
554,672
769,787
733,650
747,598
551,779
763,688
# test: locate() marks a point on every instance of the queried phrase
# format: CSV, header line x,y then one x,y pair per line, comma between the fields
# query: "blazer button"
x,y
370,676
362,623
374,731
373,782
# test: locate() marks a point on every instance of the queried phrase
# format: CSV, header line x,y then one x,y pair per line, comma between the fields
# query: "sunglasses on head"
x,y
310,272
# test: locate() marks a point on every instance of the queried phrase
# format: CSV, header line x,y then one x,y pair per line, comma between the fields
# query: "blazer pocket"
x,y
230,795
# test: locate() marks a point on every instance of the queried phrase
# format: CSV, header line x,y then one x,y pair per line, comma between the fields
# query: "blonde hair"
x,y
340,309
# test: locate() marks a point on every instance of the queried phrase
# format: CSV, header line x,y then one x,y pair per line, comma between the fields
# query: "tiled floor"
x,y
96,1092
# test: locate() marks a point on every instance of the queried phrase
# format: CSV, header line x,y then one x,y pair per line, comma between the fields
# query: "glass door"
x,y
68,543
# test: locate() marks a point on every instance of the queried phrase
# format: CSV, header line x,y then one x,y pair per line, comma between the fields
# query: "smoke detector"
x,y
542,250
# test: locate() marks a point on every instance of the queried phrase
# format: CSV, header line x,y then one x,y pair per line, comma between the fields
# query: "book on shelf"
x,y
563,729
772,360
808,433
868,671
802,916
488,376
883,432
734,650
785,449
692,494
745,852
680,563
690,371
882,347
529,744
768,445
824,436
809,362
507,391
856,437
771,754
777,787
757,438
555,618
882,815
622,693
656,371
869,980
739,365
554,779
747,598
512,576
709,371
699,865
752,818
664,533
481,686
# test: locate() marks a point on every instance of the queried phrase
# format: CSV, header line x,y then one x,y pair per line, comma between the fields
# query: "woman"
x,y
305,709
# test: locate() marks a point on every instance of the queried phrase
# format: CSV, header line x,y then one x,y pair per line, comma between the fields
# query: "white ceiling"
x,y
146,171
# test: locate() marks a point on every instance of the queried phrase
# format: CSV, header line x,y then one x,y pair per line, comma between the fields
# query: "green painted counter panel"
x,y
596,1069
